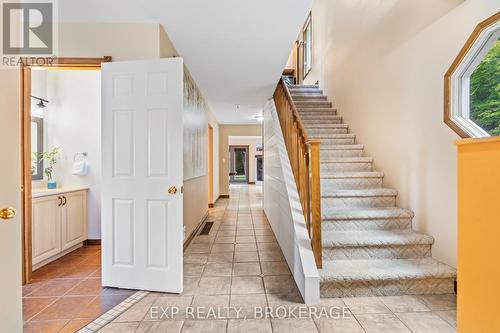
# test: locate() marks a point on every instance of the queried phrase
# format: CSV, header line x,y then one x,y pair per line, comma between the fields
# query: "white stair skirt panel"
x,y
142,231
283,209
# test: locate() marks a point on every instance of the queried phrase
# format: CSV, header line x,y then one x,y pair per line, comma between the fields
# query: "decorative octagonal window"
x,y
472,84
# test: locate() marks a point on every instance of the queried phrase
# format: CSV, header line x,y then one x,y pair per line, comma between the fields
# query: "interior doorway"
x,y
239,164
260,168
61,116
38,147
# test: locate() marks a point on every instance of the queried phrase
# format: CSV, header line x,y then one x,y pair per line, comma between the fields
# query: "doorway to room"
x,y
246,156
61,149
239,164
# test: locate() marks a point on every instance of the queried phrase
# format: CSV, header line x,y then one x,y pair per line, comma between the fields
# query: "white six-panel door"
x,y
142,227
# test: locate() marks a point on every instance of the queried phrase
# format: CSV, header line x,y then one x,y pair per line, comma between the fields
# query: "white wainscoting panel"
x,y
283,209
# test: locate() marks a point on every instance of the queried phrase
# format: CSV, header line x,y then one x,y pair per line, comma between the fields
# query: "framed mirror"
x,y
36,148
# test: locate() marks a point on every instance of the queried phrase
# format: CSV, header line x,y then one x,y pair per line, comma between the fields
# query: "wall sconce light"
x,y
38,112
41,102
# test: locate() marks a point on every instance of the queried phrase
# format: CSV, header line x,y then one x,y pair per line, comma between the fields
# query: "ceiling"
x,y
235,50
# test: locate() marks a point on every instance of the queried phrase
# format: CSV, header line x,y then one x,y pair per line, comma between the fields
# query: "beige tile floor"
x,y
239,265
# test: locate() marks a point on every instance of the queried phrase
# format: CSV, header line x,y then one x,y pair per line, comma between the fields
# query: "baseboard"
x,y
190,238
92,242
212,205
57,256
251,183
224,196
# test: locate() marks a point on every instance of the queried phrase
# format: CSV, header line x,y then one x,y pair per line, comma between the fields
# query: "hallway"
x,y
238,270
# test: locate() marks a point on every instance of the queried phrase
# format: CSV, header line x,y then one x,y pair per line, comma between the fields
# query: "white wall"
x,y
384,71
72,121
283,210
251,142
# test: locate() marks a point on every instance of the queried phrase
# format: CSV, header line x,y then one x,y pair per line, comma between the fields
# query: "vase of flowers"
x,y
50,157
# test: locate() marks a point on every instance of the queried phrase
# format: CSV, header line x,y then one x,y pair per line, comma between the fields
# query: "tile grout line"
x,y
113,313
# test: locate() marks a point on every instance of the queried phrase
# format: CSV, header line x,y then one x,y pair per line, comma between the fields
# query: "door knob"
x,y
7,213
172,190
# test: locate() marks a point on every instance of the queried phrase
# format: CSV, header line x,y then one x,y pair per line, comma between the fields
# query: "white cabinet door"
x,y
46,228
73,219
142,231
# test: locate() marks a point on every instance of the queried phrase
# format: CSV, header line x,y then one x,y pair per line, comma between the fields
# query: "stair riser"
x,y
350,202
360,224
334,153
313,104
332,130
309,97
377,252
305,89
387,287
303,110
331,119
329,141
351,166
314,92
351,183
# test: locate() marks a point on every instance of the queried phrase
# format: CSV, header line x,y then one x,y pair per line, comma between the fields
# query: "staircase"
x,y
368,245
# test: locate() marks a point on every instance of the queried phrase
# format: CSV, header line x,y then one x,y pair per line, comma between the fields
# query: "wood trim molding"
x,y
26,182
25,116
224,196
77,63
190,238
448,118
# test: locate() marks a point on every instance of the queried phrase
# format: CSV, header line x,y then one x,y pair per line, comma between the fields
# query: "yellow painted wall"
x,y
478,235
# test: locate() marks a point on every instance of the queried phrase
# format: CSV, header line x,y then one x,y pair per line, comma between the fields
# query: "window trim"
x,y
457,77
307,24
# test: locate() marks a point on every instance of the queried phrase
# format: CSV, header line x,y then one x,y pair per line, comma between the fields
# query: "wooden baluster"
x,y
316,201
307,189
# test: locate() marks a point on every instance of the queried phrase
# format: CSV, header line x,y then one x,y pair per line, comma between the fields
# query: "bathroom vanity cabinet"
x,y
59,224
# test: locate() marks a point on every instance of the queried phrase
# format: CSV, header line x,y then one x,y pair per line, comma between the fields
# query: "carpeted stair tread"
x,y
355,174
384,269
366,213
368,192
377,238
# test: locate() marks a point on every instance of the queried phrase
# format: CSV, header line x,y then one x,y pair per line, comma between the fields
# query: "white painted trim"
x,y
283,209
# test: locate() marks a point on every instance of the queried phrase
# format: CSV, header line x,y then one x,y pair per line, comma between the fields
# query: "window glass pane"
x,y
485,92
307,51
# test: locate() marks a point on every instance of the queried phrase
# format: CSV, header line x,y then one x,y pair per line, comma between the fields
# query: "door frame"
x,y
25,113
211,200
247,162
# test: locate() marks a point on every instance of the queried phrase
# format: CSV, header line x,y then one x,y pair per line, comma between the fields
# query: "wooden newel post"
x,y
316,201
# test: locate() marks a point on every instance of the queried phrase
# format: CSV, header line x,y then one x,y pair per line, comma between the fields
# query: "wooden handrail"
x,y
305,161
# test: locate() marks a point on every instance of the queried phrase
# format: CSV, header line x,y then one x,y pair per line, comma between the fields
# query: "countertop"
x,y
44,192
